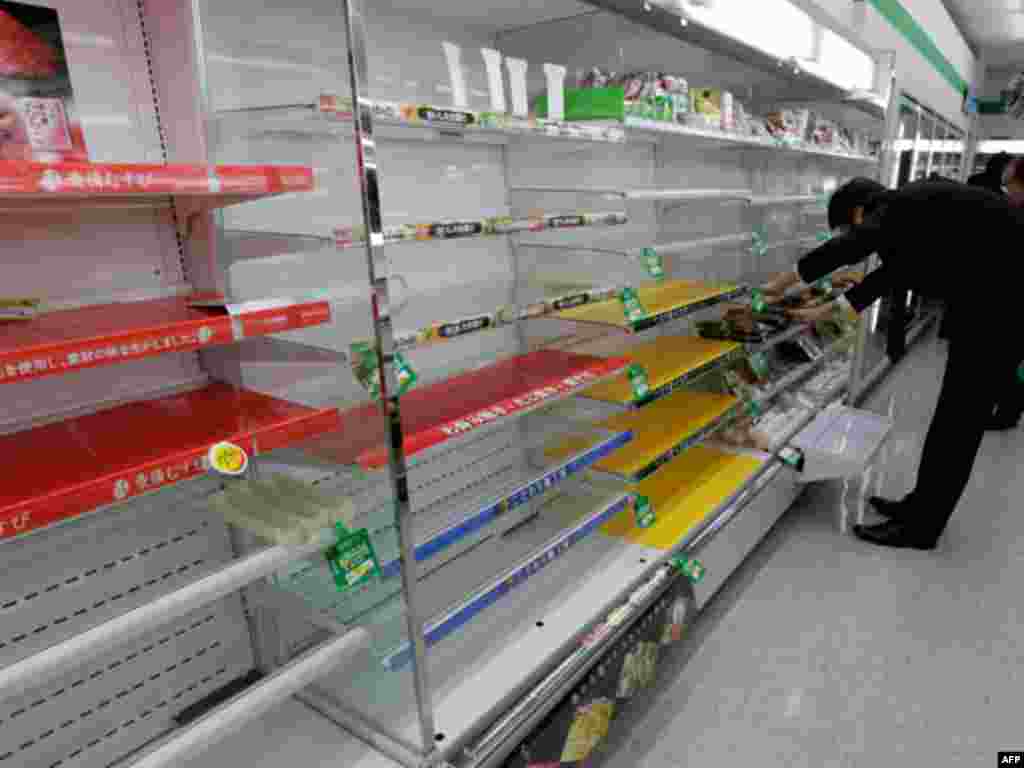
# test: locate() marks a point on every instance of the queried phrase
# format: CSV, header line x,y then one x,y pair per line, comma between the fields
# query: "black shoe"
x,y
894,533
894,510
1002,422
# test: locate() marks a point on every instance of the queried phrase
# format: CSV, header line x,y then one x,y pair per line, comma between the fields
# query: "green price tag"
x,y
759,246
364,361
406,375
690,567
644,511
823,237
631,306
353,560
792,457
638,380
757,302
759,365
652,262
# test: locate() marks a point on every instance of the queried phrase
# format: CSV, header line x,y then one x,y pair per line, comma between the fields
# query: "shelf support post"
x,y
379,267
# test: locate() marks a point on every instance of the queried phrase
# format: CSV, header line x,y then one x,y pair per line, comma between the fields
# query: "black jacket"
x,y
925,234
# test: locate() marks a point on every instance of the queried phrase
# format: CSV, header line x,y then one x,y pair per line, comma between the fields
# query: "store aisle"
x,y
824,651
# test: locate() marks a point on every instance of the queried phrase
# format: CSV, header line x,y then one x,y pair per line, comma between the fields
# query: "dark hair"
x,y
1016,170
997,164
853,194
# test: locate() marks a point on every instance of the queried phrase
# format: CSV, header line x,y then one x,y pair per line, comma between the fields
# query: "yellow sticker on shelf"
x,y
228,459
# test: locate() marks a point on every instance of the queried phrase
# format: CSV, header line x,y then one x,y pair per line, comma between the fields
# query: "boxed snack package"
x,y
679,91
825,133
706,108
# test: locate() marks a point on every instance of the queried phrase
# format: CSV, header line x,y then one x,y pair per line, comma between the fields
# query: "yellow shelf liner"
x,y
665,359
656,428
683,493
657,298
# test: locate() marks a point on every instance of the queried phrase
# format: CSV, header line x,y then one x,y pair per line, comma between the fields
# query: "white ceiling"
x,y
995,26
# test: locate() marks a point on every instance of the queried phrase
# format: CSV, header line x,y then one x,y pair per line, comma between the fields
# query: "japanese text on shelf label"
x,y
522,402
88,356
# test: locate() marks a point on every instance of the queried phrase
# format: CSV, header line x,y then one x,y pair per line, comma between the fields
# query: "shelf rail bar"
x,y
36,670
248,706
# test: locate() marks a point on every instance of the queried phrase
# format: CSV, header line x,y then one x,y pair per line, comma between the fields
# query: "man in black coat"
x,y
931,237
1010,405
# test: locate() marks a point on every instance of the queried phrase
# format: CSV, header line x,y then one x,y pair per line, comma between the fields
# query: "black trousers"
x,y
1010,402
973,382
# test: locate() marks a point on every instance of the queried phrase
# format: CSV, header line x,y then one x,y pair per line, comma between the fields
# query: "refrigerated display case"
x,y
357,385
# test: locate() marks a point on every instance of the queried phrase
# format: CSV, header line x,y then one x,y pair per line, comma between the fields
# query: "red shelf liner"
x,y
65,469
69,340
451,408
74,180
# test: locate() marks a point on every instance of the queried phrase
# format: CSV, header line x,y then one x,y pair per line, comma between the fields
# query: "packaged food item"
x,y
589,729
803,123
46,123
706,108
825,133
728,113
19,308
633,90
679,90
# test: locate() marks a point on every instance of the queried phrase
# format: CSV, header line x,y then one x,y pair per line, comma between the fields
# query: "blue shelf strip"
x,y
486,516
451,623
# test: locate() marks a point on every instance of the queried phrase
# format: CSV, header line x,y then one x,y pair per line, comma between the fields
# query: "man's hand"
x,y
776,287
813,315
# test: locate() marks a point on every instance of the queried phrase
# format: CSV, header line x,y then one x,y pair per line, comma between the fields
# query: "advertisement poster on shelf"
x,y
37,110
576,734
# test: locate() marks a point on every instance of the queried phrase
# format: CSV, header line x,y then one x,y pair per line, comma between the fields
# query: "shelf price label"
x,y
690,567
792,457
228,459
653,263
632,308
759,365
643,511
759,247
352,560
364,361
757,300
638,380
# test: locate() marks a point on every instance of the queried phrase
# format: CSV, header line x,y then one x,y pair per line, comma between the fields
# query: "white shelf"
x,y
768,200
644,194
487,646
291,734
646,130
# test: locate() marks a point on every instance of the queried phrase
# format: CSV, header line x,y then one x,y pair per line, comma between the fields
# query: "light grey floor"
x,y
824,651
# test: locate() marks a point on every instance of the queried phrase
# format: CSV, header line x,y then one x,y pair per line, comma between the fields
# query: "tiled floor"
x,y
824,651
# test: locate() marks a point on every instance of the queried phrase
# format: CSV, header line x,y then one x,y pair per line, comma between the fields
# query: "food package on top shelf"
x,y
706,108
728,113
789,125
744,120
825,133
678,90
595,78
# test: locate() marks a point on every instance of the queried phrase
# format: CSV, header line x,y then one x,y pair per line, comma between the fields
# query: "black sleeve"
x,y
852,248
877,284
